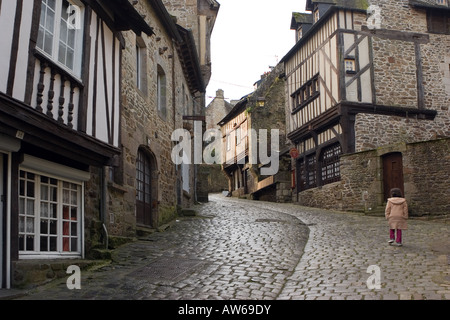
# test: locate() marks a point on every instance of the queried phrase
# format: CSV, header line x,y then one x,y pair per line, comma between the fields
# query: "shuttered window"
x,y
438,21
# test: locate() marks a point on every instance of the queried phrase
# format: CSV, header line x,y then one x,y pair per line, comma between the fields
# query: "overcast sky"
x,y
249,36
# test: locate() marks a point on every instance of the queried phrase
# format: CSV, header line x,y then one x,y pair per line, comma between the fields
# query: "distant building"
x,y
216,110
368,100
261,110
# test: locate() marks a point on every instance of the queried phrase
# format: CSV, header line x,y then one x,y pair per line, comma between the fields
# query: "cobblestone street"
x,y
249,250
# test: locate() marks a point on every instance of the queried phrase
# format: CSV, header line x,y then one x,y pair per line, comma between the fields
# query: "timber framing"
x,y
345,114
42,131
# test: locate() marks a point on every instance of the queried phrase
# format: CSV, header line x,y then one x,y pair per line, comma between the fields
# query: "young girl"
x,y
397,214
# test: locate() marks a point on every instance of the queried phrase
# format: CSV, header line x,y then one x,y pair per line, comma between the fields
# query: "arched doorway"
x,y
392,173
146,189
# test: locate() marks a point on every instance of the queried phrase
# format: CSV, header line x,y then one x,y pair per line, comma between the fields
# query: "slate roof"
x,y
429,4
350,4
300,17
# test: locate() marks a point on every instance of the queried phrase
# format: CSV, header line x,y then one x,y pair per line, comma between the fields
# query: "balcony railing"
x,y
58,92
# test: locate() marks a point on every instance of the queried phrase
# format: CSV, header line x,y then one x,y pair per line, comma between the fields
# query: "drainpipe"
x,y
174,110
8,224
103,198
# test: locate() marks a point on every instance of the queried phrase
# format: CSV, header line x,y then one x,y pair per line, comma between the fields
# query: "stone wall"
x,y
426,171
396,80
427,177
144,128
373,131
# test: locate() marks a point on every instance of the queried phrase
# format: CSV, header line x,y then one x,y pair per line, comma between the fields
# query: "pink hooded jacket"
x,y
397,213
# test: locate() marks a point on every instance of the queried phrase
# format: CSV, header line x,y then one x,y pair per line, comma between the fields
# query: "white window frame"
x,y
56,35
62,174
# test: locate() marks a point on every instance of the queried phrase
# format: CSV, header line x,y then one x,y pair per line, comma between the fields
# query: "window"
x,y
442,2
141,65
311,171
350,65
238,136
49,215
316,15
229,142
306,94
60,33
299,32
161,93
306,170
330,164
438,21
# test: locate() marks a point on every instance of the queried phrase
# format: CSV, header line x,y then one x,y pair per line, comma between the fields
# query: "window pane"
x,y
66,244
21,243
48,43
44,226
53,210
66,226
51,4
74,198
53,246
29,243
53,227
44,210
74,214
21,224
44,193
30,208
74,244
44,244
30,189
73,231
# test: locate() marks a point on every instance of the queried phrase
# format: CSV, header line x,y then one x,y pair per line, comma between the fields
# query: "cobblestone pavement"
x,y
239,249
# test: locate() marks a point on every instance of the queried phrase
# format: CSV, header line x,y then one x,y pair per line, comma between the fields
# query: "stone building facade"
x,y
243,129
163,90
216,110
380,99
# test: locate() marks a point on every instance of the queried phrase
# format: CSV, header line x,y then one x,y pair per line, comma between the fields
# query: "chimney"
x,y
219,94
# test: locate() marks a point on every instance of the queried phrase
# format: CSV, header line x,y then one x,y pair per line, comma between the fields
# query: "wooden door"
x,y
392,173
143,190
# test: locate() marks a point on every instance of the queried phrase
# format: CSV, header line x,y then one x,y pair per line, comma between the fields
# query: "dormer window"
x,y
442,2
316,15
299,33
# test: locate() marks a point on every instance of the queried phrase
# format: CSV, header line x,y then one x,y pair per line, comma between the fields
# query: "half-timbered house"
x,y
366,80
60,104
252,132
